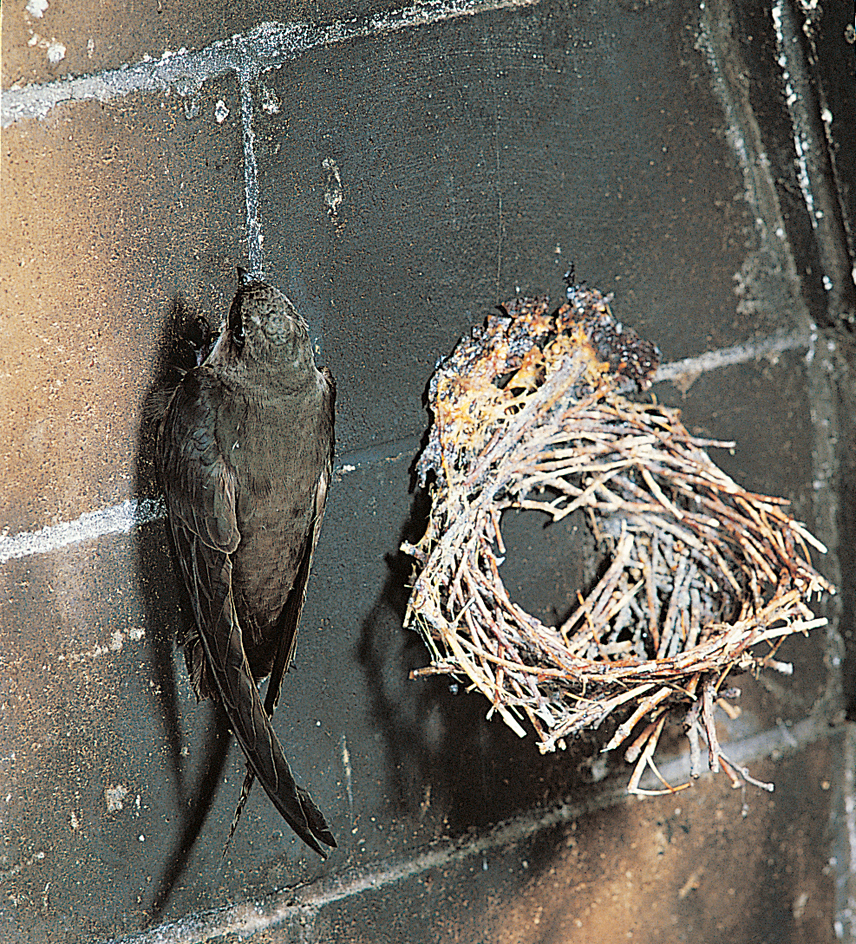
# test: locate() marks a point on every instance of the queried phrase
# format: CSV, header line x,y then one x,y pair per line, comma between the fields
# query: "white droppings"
x,y
54,49
114,797
37,8
6,874
334,194
266,46
271,104
738,354
117,641
221,112
56,52
346,763
599,769
191,107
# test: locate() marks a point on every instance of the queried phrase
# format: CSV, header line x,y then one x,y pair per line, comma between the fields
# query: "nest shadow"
x,y
448,767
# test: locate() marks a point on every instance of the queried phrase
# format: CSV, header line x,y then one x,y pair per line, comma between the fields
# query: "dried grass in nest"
x,y
700,578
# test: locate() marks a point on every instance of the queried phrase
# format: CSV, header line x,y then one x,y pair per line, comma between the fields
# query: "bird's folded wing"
x,y
201,495
290,616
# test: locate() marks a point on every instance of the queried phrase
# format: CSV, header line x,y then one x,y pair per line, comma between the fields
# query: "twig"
x,y
696,573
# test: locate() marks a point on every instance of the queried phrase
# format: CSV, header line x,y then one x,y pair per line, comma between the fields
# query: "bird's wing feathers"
x,y
290,617
201,494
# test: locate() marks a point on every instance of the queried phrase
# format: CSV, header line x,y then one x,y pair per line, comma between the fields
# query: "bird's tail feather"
x,y
251,725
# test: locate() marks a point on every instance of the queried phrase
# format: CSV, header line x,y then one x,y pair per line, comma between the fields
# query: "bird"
x,y
244,455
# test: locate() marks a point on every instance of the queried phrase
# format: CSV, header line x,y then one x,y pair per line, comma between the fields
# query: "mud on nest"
x,y
700,578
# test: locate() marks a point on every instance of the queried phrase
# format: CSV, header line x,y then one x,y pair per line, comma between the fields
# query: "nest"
x,y
699,579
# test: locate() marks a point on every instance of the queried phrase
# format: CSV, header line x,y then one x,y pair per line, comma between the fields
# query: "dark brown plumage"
x,y
244,455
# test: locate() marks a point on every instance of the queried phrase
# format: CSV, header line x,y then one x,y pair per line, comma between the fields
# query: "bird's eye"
x,y
238,333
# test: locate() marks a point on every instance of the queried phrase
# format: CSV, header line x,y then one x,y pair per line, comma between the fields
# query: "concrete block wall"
x,y
398,171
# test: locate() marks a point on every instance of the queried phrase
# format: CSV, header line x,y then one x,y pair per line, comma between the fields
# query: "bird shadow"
x,y
447,765
184,340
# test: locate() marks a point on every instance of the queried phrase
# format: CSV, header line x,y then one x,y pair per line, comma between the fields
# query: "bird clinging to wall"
x,y
244,455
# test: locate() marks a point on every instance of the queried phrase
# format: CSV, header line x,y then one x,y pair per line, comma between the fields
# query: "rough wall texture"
x,y
398,172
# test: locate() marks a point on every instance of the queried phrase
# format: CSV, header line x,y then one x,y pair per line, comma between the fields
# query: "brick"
x,y
111,213
493,138
82,39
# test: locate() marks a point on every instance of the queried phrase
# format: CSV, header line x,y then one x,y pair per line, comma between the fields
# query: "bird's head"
x,y
265,328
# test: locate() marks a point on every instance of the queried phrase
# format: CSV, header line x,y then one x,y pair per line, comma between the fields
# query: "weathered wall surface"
x,y
397,172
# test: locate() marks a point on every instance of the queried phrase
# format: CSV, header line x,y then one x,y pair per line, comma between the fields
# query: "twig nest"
x,y
699,578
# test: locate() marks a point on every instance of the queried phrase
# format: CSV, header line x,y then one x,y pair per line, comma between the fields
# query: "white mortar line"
x,y
302,903
120,519
251,176
738,354
266,46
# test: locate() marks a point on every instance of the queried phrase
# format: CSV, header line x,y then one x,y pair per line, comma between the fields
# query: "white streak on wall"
x,y
267,46
251,176
801,144
122,518
300,905
346,764
117,519
738,354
